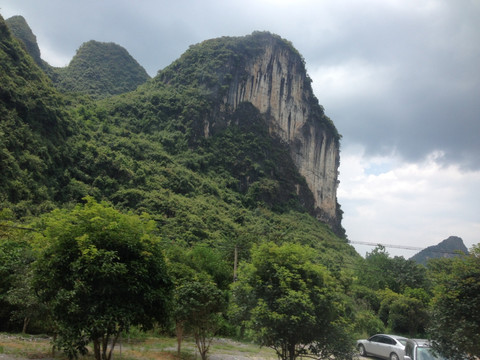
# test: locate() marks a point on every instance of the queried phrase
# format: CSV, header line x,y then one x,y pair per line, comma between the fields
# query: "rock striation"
x,y
276,83
268,72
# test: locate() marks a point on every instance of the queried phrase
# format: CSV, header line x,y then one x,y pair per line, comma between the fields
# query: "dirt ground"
x,y
14,347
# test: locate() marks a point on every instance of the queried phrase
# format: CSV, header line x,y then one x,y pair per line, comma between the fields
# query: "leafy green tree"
x,y
404,313
407,315
26,304
17,302
379,271
198,307
200,264
455,325
101,272
366,322
291,303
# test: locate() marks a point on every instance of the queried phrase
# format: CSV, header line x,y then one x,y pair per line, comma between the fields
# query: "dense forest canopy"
x,y
205,234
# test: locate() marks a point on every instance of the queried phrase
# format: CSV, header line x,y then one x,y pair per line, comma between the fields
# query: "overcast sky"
x,y
400,79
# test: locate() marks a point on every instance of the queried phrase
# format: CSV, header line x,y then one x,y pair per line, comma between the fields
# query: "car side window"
x,y
376,338
387,340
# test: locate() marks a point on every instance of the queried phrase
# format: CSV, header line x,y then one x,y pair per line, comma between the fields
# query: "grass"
x,y
148,348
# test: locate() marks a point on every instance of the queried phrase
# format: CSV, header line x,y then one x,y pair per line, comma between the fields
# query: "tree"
x,y
100,272
455,325
291,303
18,303
199,304
27,306
200,275
379,271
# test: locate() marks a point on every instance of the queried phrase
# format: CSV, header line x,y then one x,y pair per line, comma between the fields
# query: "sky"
x,y
400,79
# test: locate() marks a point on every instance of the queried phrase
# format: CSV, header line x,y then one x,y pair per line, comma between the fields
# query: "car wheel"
x,y
361,350
393,356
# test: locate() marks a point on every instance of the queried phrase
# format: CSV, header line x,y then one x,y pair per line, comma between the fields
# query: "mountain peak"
x,y
20,29
268,72
447,248
101,69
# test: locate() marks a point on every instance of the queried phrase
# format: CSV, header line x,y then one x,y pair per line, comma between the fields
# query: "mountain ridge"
x,y
98,69
268,72
451,247
262,173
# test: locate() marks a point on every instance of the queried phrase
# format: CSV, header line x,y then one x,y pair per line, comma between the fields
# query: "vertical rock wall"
x,y
276,83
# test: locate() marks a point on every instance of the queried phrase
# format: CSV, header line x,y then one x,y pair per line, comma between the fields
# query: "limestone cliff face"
x,y
275,82
266,71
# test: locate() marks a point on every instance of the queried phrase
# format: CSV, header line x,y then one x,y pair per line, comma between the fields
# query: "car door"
x,y
375,345
384,350
389,346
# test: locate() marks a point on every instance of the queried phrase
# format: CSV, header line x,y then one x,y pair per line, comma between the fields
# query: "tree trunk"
x,y
291,350
96,349
179,333
202,345
54,346
114,342
105,347
26,321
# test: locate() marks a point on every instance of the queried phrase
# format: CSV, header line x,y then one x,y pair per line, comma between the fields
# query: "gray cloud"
x,y
411,69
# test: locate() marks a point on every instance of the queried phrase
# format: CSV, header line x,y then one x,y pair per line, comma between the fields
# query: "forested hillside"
x,y
35,125
117,212
100,70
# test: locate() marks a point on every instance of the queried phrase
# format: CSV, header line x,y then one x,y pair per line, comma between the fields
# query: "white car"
x,y
384,346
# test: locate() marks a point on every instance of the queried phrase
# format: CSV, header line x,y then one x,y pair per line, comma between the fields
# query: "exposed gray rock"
x,y
277,84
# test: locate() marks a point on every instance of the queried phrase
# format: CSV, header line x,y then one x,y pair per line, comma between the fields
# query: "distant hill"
x,y
101,69
446,249
98,69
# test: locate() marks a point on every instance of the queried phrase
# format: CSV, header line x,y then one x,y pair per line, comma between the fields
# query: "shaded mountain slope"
x,y
33,129
20,29
445,249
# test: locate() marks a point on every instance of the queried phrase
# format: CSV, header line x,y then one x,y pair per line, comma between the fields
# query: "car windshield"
x,y
426,353
402,341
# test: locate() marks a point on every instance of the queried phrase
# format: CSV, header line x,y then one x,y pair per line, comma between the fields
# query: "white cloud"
x,y
415,205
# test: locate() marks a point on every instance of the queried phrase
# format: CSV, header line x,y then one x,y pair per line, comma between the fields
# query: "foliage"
x,y
291,303
379,272
100,70
212,199
33,129
101,272
20,29
15,259
455,325
402,313
199,306
367,322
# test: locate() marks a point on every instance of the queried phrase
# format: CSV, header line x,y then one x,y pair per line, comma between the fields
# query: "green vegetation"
x,y
291,303
456,307
96,190
99,272
100,70
20,29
